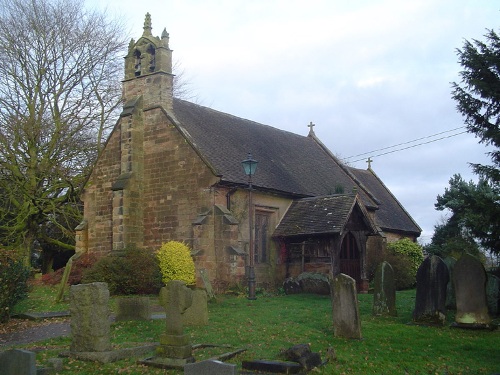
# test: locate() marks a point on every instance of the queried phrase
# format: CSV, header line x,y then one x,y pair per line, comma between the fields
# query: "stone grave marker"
x,y
432,280
89,308
133,308
206,282
469,278
384,293
493,294
197,313
210,367
451,302
345,309
17,362
175,349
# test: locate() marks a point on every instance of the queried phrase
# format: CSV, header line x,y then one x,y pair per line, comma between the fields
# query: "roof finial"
x,y
311,126
147,25
369,161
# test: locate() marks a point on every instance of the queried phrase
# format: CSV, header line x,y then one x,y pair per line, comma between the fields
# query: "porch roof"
x,y
318,215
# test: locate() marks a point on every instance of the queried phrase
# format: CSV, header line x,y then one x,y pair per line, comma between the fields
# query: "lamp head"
x,y
249,165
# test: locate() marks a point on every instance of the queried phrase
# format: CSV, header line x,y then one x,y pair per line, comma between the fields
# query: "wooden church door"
x,y
350,263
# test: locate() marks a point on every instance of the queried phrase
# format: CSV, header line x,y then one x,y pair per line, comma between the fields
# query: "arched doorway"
x,y
350,263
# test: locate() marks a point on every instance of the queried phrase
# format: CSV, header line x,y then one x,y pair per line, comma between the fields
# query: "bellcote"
x,y
149,56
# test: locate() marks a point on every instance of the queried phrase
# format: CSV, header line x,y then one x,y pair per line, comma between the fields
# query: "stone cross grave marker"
x,y
469,279
384,293
17,362
345,309
89,308
432,280
210,367
175,349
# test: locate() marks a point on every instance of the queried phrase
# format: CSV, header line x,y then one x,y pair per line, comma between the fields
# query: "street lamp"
x,y
249,166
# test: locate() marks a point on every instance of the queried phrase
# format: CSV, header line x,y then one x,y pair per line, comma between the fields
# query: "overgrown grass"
x,y
270,324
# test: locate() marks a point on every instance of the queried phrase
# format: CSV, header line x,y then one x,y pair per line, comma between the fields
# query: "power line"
x,y
405,143
406,148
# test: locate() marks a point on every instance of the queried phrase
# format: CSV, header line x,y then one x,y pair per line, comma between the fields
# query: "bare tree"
x,y
59,92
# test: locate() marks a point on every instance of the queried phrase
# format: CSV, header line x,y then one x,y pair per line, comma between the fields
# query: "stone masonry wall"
x,y
98,197
176,186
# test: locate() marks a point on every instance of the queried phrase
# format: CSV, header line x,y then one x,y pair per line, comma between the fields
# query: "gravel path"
x,y
34,334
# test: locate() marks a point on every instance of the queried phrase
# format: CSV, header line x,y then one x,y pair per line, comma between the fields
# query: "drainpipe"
x,y
228,198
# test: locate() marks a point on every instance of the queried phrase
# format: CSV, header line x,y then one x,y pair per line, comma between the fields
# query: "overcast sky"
x,y
370,74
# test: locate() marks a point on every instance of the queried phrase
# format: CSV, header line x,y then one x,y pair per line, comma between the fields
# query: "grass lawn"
x,y
270,324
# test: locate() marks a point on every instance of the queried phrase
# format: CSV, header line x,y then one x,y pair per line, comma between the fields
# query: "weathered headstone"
x,y
493,294
133,308
197,313
206,282
345,309
451,302
384,293
210,367
17,362
469,278
175,349
89,308
432,279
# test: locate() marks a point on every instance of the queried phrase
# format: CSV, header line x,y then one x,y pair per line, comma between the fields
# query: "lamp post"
x,y
249,166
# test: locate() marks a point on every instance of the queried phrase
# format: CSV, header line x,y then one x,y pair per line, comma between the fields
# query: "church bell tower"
x,y
148,69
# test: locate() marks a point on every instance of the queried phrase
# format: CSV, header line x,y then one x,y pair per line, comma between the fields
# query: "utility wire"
x,y
405,143
404,148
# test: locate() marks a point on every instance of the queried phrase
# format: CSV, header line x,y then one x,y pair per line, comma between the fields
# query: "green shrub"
x,y
176,262
136,272
13,282
78,268
405,256
411,250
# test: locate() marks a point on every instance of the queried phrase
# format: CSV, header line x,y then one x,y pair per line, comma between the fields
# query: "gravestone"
x,y
469,278
17,362
133,308
197,313
493,294
175,349
345,309
451,302
384,293
432,280
89,308
210,367
206,282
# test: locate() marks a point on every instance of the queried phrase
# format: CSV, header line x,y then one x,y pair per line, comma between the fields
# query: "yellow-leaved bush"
x,y
176,262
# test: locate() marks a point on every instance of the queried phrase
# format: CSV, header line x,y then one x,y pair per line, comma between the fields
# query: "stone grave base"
x,y
273,367
475,326
112,355
179,363
166,363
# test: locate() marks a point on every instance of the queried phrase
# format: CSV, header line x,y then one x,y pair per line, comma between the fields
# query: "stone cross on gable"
x,y
369,161
311,126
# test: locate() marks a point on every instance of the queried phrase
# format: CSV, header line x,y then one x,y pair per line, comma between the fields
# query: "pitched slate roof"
x,y
317,215
300,166
288,162
391,215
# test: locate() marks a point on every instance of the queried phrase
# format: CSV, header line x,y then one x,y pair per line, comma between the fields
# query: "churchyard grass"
x,y
268,325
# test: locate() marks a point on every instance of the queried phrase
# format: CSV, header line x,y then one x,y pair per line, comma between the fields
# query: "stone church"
x,y
172,170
